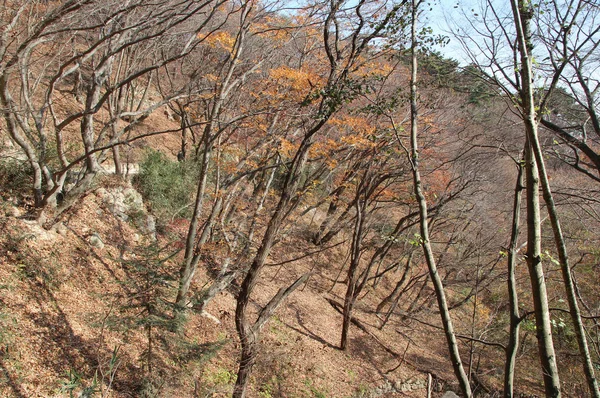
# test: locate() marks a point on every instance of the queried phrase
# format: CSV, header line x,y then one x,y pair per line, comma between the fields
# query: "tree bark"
x,y
246,331
522,12
429,257
515,319
588,366
350,297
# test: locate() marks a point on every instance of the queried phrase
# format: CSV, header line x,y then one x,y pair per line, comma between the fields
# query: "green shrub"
x,y
167,186
16,177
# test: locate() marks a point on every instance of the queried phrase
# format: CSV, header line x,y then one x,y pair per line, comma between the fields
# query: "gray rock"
x,y
60,229
450,394
123,202
95,241
151,226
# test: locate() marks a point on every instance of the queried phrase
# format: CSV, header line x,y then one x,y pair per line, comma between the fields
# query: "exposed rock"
x,y
150,227
450,394
411,384
127,204
95,241
123,202
60,229
40,233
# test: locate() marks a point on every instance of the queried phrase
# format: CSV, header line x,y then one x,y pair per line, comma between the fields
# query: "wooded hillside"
x,y
299,199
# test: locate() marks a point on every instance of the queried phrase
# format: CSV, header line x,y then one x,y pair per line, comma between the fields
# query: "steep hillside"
x,y
298,199
69,317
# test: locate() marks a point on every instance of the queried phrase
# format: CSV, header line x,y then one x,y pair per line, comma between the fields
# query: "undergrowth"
x,y
167,186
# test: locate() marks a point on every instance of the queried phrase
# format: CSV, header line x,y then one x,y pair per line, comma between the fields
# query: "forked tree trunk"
x,y
515,317
522,12
248,331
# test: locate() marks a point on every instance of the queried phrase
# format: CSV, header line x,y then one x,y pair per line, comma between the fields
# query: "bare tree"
x,y
565,29
343,56
423,217
91,46
569,34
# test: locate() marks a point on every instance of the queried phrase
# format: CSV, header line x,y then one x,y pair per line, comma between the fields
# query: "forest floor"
x,y
65,306
72,316
61,298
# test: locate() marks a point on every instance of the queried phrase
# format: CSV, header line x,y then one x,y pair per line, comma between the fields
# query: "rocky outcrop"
x,y
127,204
411,384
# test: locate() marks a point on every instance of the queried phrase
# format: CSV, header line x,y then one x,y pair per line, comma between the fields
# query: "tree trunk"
x,y
561,247
393,296
329,216
117,161
248,358
429,257
515,320
588,366
12,124
538,283
246,332
188,269
522,12
350,297
87,121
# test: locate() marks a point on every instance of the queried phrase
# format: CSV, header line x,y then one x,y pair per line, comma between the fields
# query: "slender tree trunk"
x,y
457,365
257,211
522,12
350,297
188,269
561,247
329,216
574,311
538,283
515,319
246,331
207,229
415,302
393,296
333,225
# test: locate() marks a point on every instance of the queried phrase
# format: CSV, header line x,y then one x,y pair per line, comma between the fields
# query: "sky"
x,y
441,15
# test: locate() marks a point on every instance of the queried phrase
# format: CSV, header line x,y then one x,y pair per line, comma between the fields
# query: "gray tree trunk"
x,y
522,12
457,365
515,319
